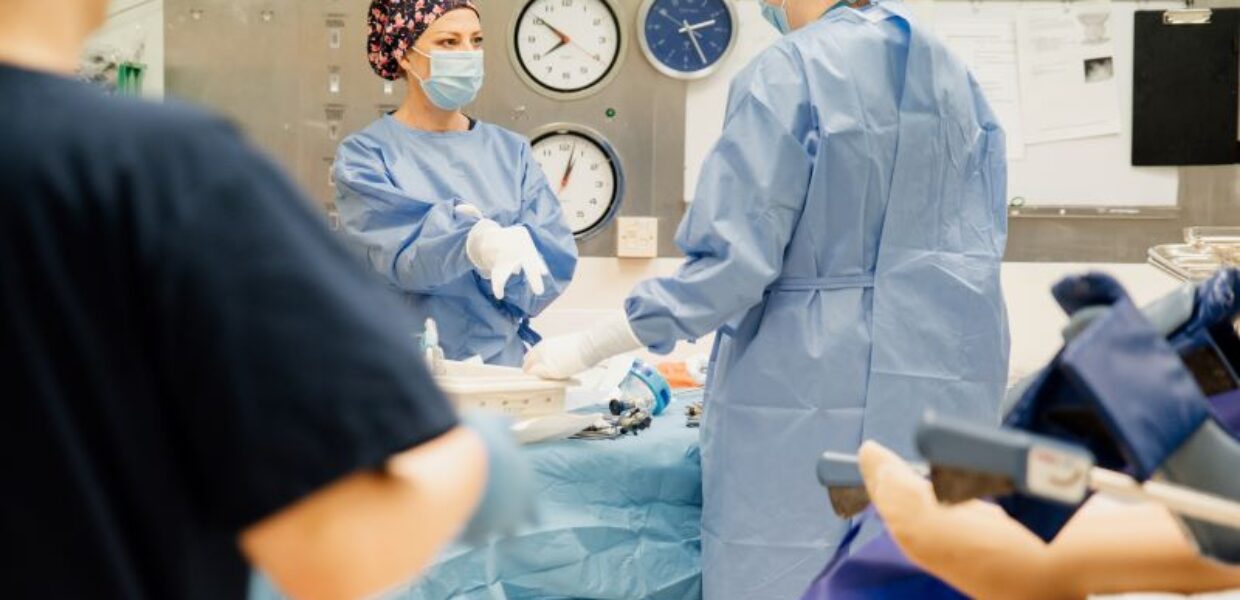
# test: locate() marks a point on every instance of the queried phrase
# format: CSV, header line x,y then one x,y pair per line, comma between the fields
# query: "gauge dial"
x,y
585,174
686,39
567,47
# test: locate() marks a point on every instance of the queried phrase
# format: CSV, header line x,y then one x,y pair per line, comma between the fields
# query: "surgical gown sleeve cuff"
x,y
649,330
440,253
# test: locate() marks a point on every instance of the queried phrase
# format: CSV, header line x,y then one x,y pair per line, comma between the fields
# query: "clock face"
x,y
687,39
585,175
567,46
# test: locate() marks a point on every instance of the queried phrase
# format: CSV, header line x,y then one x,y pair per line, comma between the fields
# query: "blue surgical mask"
x,y
777,16
455,78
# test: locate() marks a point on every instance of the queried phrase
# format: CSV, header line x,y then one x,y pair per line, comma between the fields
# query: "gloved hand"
x,y
509,498
501,252
565,356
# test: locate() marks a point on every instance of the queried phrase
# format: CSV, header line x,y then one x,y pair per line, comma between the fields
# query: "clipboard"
x,y
1186,87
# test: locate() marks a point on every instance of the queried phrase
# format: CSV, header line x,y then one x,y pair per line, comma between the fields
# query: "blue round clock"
x,y
687,39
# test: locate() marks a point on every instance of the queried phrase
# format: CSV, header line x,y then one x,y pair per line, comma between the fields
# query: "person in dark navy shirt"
x,y
197,377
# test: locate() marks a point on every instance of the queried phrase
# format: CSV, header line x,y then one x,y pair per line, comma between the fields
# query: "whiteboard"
x,y
1089,172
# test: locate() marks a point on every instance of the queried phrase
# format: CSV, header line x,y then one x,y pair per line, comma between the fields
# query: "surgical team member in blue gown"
x,y
845,242
453,212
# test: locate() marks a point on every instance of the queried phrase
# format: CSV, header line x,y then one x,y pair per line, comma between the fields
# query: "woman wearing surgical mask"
x,y
845,242
453,212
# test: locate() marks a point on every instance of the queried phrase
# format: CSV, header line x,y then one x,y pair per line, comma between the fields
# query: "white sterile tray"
x,y
501,389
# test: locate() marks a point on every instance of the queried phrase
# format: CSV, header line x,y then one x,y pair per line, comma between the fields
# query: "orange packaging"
x,y
677,375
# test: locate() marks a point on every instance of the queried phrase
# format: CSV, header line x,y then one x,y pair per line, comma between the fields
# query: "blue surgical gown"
x,y
845,241
397,191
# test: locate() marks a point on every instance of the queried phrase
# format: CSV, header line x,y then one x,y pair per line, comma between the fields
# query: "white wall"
x,y
1036,319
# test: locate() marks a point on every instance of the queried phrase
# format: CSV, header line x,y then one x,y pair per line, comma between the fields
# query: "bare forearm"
x,y
371,531
1107,548
1111,548
979,550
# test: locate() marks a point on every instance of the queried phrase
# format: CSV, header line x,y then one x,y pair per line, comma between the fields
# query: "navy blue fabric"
x,y
186,348
1090,289
1208,341
1137,384
1216,302
1226,408
878,570
1119,388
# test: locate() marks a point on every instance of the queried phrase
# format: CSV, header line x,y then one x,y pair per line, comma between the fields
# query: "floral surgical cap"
x,y
396,24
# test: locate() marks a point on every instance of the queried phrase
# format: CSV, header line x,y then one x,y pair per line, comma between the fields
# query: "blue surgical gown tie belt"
x,y
527,333
809,284
822,284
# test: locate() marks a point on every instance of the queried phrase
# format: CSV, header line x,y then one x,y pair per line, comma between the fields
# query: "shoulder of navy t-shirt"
x,y
101,119
170,143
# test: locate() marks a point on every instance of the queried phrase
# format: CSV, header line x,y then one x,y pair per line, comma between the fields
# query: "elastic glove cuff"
x,y
475,246
612,337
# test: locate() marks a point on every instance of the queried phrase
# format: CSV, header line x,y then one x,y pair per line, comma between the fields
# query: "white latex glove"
x,y
501,252
565,356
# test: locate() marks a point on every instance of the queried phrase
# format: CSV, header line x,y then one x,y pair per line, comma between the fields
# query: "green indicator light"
x,y
611,113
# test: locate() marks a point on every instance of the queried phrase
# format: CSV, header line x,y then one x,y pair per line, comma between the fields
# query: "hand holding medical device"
x,y
981,552
1046,468
968,461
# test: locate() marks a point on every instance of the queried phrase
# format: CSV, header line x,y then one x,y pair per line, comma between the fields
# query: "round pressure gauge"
x,y
567,49
687,39
585,174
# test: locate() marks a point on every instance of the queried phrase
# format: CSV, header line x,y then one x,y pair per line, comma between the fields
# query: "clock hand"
x,y
563,42
663,13
704,24
696,45
593,55
565,39
568,172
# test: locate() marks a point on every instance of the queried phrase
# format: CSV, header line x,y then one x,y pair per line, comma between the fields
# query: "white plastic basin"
x,y
501,389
